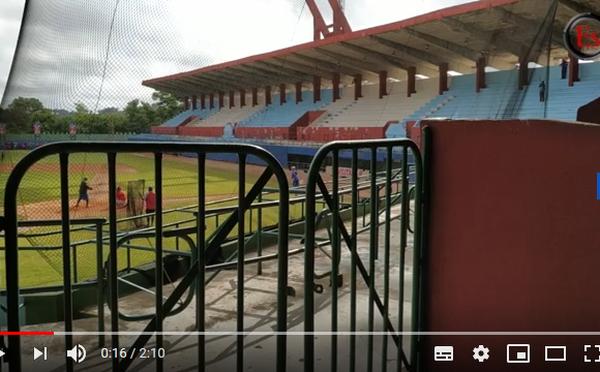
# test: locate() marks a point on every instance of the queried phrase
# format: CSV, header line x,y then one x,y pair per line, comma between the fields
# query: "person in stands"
x,y
83,192
295,177
150,200
121,198
542,88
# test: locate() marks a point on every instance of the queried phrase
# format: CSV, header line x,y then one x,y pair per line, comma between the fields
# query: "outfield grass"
x,y
40,193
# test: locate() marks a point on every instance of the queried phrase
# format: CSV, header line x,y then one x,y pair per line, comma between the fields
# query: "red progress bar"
x,y
27,333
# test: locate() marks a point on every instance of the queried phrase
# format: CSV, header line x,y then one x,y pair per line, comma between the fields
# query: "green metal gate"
x,y
203,249
389,163
378,153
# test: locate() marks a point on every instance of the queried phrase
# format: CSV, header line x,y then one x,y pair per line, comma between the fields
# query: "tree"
x,y
167,105
19,116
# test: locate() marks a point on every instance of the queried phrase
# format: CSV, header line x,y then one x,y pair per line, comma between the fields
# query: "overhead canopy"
x,y
502,31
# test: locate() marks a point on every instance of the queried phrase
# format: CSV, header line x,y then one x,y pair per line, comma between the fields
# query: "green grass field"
x,y
39,198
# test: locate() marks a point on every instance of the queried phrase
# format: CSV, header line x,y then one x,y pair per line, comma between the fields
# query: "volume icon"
x,y
77,353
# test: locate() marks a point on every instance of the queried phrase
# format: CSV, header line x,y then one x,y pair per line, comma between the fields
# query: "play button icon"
x,y
2,353
37,353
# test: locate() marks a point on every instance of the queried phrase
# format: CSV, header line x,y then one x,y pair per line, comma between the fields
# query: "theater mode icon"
x,y
555,353
443,353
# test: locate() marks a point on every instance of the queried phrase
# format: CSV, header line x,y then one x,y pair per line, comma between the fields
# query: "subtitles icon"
x,y
443,353
517,353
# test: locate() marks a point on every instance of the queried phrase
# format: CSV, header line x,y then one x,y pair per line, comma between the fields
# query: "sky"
x,y
69,53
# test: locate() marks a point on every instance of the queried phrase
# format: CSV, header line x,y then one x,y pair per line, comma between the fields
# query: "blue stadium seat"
x,y
178,119
276,115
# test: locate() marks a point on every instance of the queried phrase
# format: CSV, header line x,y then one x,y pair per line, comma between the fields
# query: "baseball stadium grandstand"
x,y
417,196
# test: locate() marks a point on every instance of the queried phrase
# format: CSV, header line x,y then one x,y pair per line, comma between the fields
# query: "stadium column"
x,y
357,86
211,101
186,103
411,81
298,91
267,95
523,73
254,97
202,101
231,98
282,97
443,78
242,97
316,89
480,74
573,69
335,81
221,100
382,84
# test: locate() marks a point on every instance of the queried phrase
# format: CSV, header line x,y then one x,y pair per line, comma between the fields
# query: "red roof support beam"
x,y
335,81
573,69
254,97
480,74
316,88
211,101
282,98
231,98
443,78
523,73
340,22
267,95
221,100
357,86
411,82
202,101
242,97
320,28
382,84
298,91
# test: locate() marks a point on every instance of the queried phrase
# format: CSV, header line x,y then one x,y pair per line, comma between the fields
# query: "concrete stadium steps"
x,y
225,116
371,111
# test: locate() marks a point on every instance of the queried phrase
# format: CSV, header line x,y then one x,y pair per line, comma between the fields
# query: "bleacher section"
x,y
231,115
563,100
276,115
372,117
501,99
279,121
370,110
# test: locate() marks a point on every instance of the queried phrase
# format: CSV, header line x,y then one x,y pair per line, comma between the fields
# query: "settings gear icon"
x,y
481,353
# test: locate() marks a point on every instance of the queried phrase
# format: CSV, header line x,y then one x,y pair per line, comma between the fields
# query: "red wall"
x,y
264,132
325,134
514,241
200,131
163,130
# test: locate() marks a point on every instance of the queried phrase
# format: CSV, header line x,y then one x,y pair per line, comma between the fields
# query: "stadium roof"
x,y
501,30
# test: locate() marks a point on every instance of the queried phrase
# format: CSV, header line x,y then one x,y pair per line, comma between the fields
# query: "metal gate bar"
x,y
339,231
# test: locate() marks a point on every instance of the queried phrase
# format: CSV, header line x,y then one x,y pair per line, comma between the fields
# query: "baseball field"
x,y
40,255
